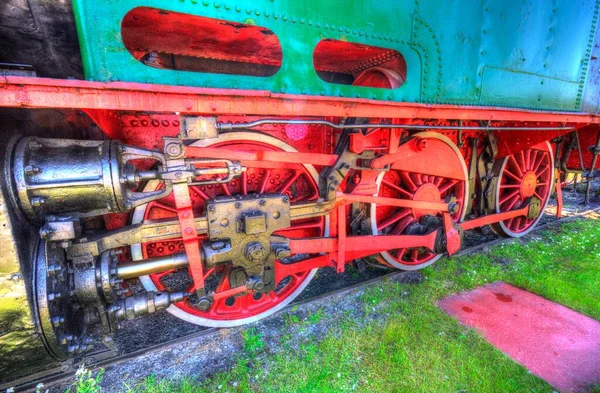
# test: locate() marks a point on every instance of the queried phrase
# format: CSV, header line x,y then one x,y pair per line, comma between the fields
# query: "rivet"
x,y
276,15
217,5
237,8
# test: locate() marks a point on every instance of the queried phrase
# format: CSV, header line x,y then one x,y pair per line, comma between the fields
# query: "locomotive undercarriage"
x,y
229,222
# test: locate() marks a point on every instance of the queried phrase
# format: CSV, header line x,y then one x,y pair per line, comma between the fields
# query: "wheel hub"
x,y
428,192
528,184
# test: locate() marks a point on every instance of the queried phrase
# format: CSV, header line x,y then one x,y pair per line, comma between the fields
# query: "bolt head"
x,y
255,252
203,303
282,253
255,283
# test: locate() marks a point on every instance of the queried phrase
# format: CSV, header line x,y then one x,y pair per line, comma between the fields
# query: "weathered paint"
x,y
22,351
516,53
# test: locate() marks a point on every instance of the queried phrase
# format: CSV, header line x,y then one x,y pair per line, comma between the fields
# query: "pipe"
x,y
252,124
156,265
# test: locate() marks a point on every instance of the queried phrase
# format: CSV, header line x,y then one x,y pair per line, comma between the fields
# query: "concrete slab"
x,y
554,342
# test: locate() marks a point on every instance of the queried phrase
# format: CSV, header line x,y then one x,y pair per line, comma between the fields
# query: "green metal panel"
x,y
514,53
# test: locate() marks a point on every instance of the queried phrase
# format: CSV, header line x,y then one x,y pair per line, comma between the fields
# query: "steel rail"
x,y
61,375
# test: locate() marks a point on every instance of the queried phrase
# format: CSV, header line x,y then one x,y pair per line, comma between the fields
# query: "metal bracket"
x,y
239,230
198,127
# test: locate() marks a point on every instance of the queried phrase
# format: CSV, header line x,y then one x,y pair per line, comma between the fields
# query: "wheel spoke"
x,y
539,174
509,196
400,252
244,181
511,175
522,159
289,182
401,226
512,203
516,166
225,189
406,178
414,254
163,206
224,281
393,219
199,192
449,185
397,188
539,158
264,181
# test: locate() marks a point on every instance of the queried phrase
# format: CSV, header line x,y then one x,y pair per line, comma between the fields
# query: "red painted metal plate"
x,y
554,342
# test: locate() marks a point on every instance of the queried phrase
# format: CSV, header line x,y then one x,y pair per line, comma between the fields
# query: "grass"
x,y
405,343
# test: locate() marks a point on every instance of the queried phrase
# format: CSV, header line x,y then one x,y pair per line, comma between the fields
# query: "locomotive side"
x,y
220,153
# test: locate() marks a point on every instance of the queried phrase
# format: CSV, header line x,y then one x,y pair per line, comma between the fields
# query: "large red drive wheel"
x,y
299,182
528,173
431,174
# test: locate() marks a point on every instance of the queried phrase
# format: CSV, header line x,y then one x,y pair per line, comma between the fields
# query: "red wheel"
x,y
298,182
528,173
432,174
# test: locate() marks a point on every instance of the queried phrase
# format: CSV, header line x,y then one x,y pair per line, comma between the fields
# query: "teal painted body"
x,y
511,53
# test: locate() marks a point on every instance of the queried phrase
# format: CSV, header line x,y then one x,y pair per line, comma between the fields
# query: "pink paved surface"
x,y
554,342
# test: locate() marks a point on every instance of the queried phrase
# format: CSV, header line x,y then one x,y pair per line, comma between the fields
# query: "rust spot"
x,y
503,298
467,309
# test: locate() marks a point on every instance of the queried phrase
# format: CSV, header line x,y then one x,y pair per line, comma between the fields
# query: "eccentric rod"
x,y
226,126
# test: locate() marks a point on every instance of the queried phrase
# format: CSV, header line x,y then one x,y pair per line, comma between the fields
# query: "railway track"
x,y
109,358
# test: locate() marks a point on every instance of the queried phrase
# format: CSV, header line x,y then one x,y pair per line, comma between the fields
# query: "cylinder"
x,y
136,269
63,176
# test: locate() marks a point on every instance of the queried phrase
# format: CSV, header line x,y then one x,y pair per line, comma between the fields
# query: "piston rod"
x,y
155,265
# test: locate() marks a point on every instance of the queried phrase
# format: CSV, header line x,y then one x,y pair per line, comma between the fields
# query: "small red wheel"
x,y
528,173
299,183
431,174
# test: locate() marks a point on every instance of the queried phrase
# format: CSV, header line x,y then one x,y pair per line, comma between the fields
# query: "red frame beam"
x,y
29,92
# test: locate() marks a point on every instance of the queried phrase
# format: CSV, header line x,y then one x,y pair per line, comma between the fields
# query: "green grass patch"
x,y
405,343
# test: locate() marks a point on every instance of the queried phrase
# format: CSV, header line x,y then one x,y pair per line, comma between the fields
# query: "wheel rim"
x,y
406,184
299,183
522,175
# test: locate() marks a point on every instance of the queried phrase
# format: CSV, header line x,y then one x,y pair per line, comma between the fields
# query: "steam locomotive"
x,y
216,154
